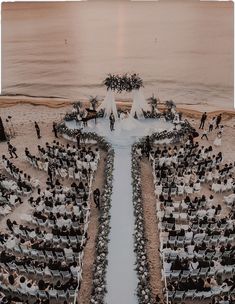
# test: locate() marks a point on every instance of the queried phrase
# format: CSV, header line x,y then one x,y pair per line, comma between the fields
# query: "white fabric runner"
x,y
121,276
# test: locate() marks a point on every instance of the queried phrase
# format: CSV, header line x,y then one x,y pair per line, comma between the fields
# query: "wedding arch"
x,y
125,83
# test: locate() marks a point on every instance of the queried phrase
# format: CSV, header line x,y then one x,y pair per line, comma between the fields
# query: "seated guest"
x,y
171,219
200,285
207,284
197,186
194,264
75,269
230,199
42,285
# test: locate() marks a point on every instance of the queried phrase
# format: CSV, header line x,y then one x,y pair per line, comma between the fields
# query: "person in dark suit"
x,y
112,121
96,195
37,130
203,119
11,150
218,121
78,138
147,146
54,128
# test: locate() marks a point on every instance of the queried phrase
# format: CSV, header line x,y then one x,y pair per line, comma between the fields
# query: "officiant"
x,y
147,146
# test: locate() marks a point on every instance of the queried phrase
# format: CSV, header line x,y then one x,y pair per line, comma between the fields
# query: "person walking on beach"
x,y
96,195
54,128
37,130
203,119
218,121
112,121
204,134
211,124
11,150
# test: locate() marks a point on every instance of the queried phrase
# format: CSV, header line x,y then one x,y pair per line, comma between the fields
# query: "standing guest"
x,y
55,129
204,134
50,172
191,139
78,139
84,118
96,195
112,121
211,124
147,146
37,130
218,121
10,224
11,150
203,119
158,299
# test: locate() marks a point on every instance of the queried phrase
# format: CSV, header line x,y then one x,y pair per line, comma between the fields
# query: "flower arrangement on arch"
x,y
126,82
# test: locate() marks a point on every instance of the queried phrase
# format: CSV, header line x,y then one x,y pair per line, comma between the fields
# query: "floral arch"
x,y
124,83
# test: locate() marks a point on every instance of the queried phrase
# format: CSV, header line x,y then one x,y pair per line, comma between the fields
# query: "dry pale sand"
x,y
25,111
57,102
151,228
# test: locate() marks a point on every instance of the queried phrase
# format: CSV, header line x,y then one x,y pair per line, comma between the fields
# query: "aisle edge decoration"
x,y
144,293
100,267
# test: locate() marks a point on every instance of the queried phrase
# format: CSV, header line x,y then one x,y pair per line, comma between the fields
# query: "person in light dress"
x,y
230,182
230,199
218,140
122,115
176,119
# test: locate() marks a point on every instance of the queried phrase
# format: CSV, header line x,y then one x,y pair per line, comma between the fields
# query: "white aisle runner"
x,y
121,276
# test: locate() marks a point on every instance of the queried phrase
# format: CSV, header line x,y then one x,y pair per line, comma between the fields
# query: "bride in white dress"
x,y
122,115
129,123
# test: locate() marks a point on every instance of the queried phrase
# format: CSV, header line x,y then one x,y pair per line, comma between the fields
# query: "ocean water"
x,y
183,50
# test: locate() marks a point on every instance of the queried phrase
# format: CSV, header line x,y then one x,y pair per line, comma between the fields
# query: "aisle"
x,y
121,276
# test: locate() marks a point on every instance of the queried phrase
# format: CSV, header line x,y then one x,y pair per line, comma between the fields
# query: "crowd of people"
x,y
9,195
42,254
61,161
13,188
197,235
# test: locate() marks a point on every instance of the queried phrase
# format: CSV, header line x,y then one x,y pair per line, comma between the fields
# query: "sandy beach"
x,y
56,54
25,110
55,102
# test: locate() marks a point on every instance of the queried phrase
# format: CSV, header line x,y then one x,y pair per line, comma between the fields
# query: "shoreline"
x,y
190,110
